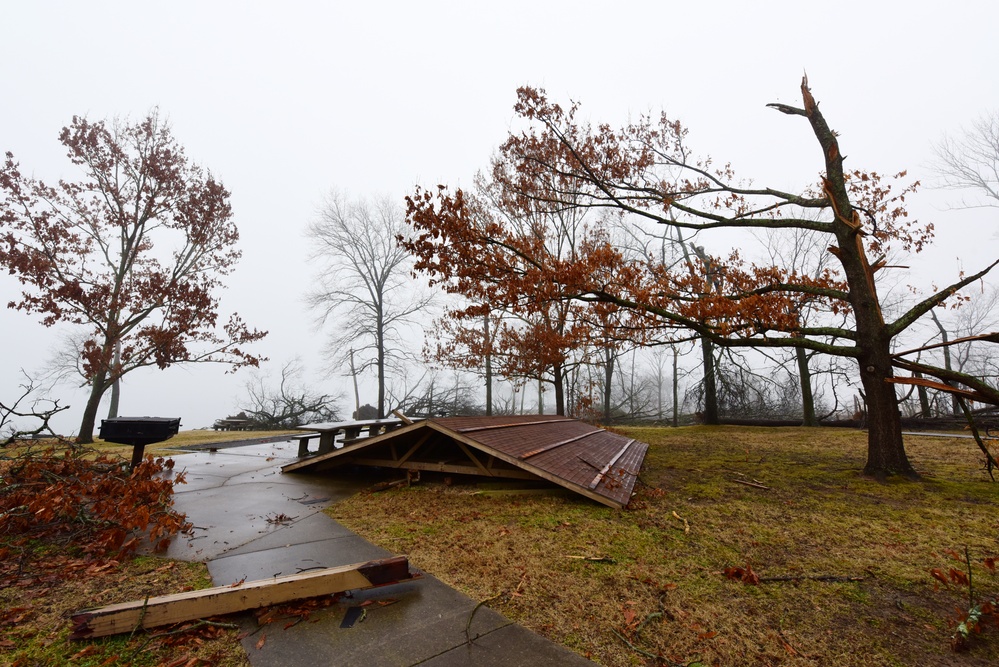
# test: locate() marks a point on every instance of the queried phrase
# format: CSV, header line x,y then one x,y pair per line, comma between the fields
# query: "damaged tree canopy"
x,y
581,457
181,607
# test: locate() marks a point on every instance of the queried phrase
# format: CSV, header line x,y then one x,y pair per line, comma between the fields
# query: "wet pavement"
x,y
253,522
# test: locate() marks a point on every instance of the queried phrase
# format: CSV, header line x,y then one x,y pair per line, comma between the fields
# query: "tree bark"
x,y
885,450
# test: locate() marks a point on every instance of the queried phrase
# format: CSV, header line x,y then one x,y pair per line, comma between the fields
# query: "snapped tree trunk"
x,y
885,451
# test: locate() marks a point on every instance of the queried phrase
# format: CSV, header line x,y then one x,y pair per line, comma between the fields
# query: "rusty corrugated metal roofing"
x,y
579,456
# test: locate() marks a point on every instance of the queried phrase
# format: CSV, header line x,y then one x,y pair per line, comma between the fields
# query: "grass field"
x,y
844,563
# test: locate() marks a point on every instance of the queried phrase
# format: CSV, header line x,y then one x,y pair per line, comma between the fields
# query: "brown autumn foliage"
x,y
93,508
645,171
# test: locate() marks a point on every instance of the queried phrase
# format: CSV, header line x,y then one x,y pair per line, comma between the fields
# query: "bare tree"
x,y
364,288
970,161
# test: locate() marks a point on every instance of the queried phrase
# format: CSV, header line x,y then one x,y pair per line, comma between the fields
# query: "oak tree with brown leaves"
x,y
133,253
537,331
646,170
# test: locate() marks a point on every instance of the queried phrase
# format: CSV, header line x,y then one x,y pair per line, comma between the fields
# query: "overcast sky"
x,y
283,101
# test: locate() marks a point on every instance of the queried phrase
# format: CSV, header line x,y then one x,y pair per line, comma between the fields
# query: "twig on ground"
x,y
755,485
468,624
658,658
594,559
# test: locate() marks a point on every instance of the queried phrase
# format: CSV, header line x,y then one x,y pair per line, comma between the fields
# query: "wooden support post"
x,y
180,607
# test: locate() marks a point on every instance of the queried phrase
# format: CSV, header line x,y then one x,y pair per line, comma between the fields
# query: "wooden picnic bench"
x,y
346,432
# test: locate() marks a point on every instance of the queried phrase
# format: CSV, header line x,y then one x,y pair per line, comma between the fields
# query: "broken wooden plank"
x,y
180,607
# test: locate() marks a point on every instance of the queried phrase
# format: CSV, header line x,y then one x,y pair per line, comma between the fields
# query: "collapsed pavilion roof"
x,y
589,460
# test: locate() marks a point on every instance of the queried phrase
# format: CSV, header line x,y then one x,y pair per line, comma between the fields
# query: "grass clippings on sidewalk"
x,y
844,561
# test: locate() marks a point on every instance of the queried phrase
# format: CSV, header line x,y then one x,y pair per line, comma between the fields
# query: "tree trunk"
x,y
924,399
955,406
710,407
885,450
97,388
676,388
559,371
805,377
357,394
489,367
116,385
608,381
380,338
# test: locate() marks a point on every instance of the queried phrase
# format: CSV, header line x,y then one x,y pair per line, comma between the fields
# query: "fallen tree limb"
x,y
192,605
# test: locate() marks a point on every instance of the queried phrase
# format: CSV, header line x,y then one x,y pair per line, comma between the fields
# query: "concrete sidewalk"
x,y
251,522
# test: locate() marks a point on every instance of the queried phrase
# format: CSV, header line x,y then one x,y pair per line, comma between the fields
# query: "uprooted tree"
x,y
133,253
646,170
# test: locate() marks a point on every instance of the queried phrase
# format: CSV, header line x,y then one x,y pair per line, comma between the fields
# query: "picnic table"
x,y
347,431
231,424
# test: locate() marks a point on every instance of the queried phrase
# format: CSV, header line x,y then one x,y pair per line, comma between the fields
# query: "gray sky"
x,y
283,101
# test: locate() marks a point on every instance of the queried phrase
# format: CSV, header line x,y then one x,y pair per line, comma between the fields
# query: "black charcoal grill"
x,y
138,432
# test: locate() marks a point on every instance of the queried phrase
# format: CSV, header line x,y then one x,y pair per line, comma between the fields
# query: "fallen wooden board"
x,y
179,607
